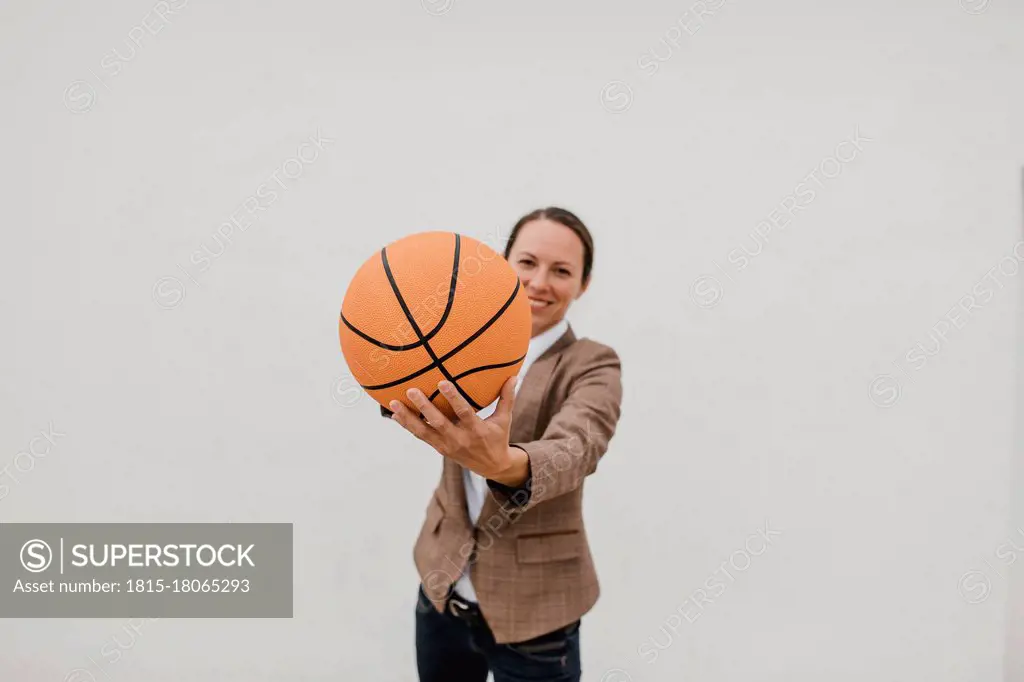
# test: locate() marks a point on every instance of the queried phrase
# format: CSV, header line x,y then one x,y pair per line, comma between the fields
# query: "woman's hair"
x,y
562,217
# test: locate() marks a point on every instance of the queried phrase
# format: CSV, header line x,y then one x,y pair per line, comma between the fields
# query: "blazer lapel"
x,y
456,488
530,397
528,404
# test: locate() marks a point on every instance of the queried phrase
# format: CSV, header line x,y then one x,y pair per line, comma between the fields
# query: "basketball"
x,y
435,306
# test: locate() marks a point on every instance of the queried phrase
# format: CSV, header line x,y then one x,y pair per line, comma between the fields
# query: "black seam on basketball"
x,y
482,368
375,342
416,328
429,335
396,382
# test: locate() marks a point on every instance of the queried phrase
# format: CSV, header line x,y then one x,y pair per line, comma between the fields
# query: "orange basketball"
x,y
435,306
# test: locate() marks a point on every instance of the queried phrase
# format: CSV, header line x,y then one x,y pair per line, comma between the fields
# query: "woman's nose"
x,y
537,281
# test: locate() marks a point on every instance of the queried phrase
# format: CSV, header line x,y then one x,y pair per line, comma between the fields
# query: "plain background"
x,y
462,115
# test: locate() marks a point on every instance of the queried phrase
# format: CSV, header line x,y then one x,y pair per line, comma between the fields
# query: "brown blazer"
x,y
530,562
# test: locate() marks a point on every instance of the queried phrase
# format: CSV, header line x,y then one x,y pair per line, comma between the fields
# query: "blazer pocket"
x,y
547,547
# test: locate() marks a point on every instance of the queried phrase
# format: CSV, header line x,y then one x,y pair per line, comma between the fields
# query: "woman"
x,y
505,568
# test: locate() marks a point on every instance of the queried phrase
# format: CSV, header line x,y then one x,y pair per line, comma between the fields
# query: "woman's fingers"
x,y
462,409
411,422
507,398
435,419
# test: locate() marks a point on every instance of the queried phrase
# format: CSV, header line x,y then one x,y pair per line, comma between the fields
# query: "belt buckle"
x,y
462,610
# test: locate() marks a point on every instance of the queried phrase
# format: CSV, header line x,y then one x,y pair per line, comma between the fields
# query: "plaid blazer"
x,y
528,555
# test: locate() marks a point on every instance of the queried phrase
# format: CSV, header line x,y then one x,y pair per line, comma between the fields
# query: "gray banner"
x,y
146,570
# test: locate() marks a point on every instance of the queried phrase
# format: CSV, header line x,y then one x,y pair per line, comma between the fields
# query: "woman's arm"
x,y
568,451
576,437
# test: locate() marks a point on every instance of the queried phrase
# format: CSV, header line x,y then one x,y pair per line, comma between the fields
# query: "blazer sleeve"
x,y
577,436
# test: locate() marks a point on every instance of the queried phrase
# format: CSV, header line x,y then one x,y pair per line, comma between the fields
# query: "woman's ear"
x,y
583,289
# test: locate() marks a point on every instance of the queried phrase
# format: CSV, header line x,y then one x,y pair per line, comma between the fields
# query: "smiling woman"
x,y
505,569
553,252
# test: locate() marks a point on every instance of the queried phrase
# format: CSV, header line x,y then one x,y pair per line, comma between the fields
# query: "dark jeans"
x,y
448,649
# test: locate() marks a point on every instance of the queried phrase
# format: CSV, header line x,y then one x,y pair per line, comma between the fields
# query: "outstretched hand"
x,y
480,445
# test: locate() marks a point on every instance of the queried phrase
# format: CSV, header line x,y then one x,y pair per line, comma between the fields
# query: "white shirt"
x,y
475,484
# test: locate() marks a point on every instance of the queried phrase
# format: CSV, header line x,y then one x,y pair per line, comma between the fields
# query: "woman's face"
x,y
548,257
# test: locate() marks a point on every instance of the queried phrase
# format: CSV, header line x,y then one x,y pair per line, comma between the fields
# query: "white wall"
x,y
1013,568
758,407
